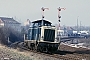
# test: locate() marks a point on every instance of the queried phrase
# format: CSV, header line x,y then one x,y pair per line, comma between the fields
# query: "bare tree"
x,y
7,32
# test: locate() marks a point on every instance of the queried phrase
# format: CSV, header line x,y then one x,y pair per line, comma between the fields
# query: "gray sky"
x,y
31,9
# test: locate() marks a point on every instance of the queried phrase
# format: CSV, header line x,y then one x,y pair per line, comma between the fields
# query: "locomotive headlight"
x,y
42,38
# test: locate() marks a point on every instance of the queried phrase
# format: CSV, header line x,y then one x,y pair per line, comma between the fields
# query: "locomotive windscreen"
x,y
49,35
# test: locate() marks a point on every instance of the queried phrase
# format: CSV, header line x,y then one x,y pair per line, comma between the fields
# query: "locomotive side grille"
x,y
49,35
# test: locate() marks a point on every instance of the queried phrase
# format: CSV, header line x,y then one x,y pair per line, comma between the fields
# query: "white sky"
x,y
31,9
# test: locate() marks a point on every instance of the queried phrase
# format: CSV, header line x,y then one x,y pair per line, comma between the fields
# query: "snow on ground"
x,y
79,45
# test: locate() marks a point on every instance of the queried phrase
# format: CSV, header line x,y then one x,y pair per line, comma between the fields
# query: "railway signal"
x,y
59,9
43,9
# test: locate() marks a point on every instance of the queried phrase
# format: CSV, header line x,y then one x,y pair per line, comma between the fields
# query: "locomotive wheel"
x,y
39,49
35,48
47,50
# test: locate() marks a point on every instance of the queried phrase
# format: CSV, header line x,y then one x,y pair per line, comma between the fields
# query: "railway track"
x,y
57,55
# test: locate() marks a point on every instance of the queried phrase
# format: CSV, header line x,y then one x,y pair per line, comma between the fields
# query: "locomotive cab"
x,y
42,37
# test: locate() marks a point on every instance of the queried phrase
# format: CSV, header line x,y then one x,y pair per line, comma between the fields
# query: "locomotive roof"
x,y
40,21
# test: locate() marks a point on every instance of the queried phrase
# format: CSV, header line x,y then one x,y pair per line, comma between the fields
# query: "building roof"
x,y
9,20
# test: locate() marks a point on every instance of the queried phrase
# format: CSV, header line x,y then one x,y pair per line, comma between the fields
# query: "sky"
x,y
21,10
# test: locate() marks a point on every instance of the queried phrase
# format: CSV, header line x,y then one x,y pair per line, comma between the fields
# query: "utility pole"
x,y
80,25
43,9
77,24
